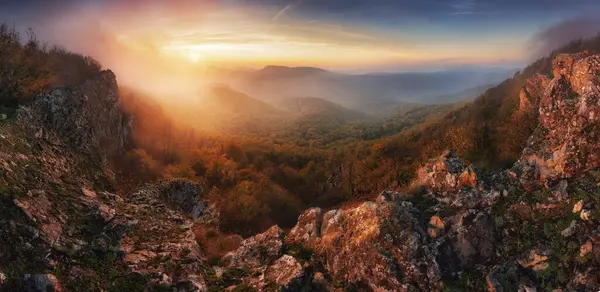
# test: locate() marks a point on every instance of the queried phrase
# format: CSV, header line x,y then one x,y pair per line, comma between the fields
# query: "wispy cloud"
x,y
288,8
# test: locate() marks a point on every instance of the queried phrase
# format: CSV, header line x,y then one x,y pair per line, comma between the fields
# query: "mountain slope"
x,y
312,108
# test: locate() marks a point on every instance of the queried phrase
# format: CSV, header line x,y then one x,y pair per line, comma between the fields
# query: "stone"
x,y
386,234
565,143
42,283
308,227
578,207
286,272
259,250
88,193
570,231
437,222
536,260
89,117
41,211
586,248
585,215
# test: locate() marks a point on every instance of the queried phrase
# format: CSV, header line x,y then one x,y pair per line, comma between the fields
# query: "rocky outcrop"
x,y
257,251
447,173
379,245
566,142
89,117
531,94
187,196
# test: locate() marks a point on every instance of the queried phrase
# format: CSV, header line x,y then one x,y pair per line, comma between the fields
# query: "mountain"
x,y
224,99
367,93
461,96
312,108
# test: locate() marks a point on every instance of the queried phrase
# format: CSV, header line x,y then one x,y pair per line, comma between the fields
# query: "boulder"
x,y
257,251
42,283
286,272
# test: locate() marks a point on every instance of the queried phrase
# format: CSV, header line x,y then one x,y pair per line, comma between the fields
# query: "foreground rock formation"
x,y
534,227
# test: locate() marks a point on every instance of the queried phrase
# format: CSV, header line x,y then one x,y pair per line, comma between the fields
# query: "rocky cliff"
x,y
534,227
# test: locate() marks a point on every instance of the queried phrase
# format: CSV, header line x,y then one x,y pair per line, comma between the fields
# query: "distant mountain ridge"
x,y
371,93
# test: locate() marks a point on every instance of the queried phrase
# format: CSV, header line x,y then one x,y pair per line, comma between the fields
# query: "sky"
x,y
350,35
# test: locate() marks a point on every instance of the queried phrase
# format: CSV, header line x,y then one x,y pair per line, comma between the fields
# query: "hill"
x,y
312,108
373,94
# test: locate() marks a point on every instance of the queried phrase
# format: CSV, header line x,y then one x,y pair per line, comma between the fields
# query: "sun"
x,y
194,57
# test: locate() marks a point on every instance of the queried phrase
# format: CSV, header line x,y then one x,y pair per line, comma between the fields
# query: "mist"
x,y
553,37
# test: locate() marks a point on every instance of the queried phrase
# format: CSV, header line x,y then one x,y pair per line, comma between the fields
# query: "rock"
x,y
184,195
493,281
257,251
569,231
566,142
587,280
531,94
378,245
286,272
437,222
586,248
42,283
88,193
308,227
585,215
447,173
473,237
578,206
536,260
41,211
90,116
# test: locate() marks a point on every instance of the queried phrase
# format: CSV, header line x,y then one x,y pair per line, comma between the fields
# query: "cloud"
x,y
287,9
552,38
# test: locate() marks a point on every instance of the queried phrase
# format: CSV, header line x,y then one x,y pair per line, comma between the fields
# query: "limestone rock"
x,y
286,272
90,117
566,141
257,251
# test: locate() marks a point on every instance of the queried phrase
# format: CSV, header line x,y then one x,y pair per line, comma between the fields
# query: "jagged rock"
x,y
40,210
531,94
578,206
89,117
308,227
286,272
447,173
377,245
536,259
473,237
257,251
185,195
42,283
566,141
